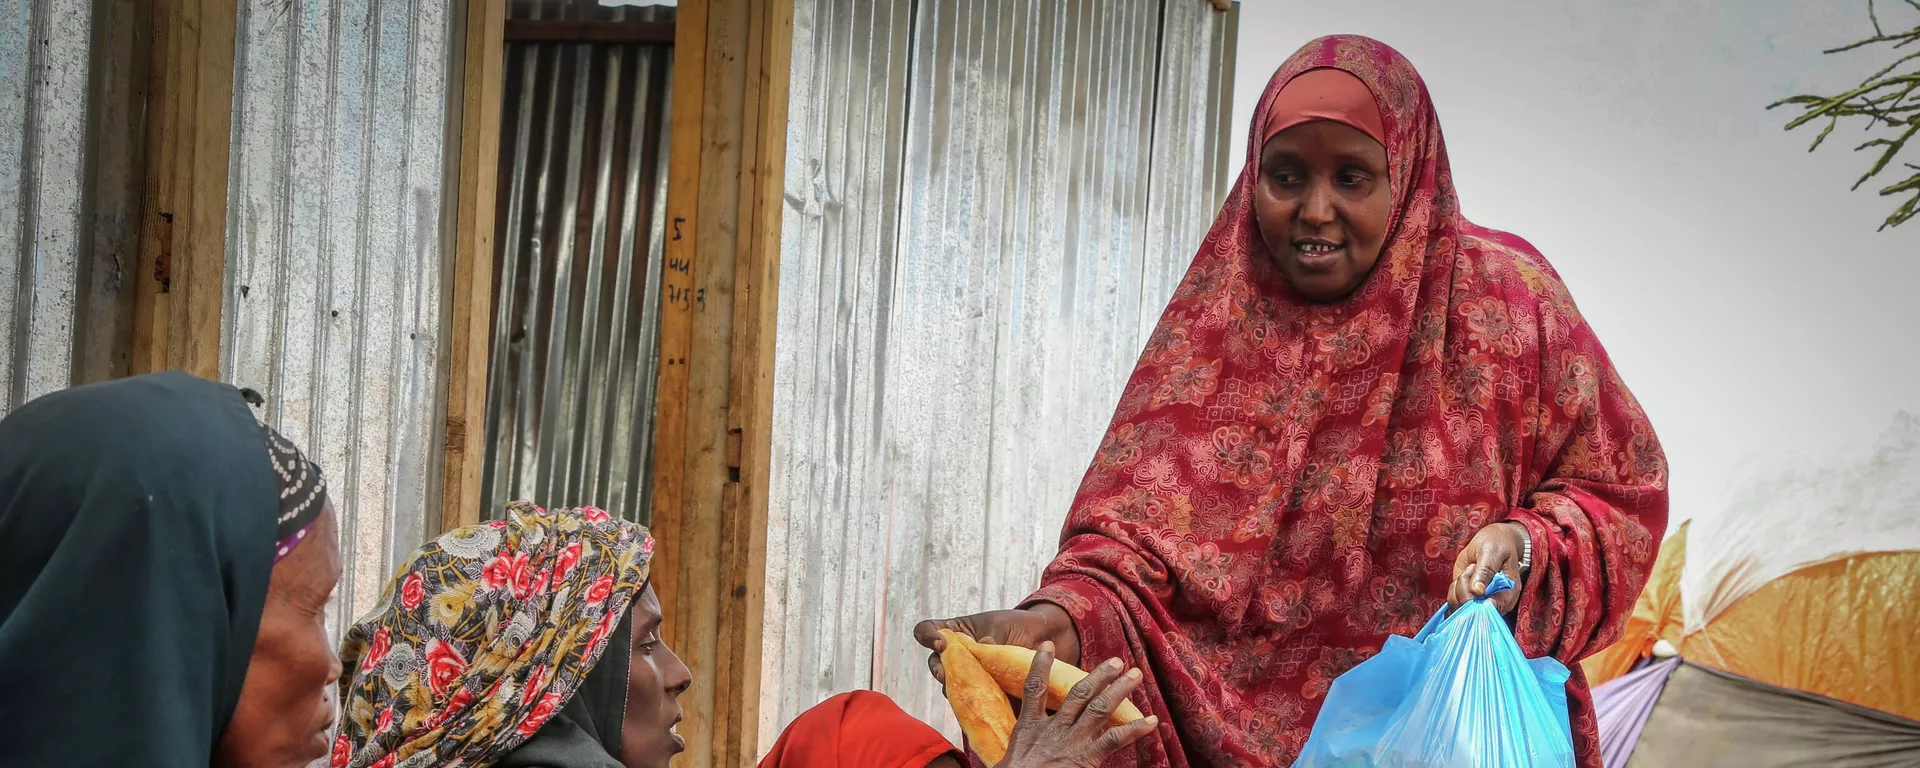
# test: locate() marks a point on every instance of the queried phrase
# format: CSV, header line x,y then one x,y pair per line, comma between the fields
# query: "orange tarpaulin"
x,y
1656,615
1843,630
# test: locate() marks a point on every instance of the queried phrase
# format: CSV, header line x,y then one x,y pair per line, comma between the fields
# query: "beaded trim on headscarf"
x,y
303,487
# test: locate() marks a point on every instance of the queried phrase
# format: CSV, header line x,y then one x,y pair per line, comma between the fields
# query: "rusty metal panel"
x,y
45,51
988,205
336,207
577,307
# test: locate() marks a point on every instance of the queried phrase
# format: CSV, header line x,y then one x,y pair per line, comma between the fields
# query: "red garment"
x,y
861,729
1286,484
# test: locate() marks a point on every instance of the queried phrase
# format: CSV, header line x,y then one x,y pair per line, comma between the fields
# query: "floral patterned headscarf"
x,y
484,635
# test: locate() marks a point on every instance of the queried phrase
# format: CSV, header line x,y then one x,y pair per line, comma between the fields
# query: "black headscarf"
x,y
586,732
137,537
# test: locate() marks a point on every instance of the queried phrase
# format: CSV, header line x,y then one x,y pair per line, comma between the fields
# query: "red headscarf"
x,y
1285,483
1324,94
861,729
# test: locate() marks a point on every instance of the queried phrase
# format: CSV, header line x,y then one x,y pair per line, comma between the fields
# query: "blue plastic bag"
x,y
1458,695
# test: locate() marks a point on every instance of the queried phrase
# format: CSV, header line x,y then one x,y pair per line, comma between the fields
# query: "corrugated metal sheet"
x,y
577,309
989,204
45,47
334,272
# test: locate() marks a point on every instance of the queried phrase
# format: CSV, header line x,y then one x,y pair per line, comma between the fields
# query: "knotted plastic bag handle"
x,y
1501,583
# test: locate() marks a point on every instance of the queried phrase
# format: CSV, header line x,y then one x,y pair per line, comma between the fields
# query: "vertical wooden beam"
x,y
116,174
750,401
181,278
676,322
469,331
728,147
676,533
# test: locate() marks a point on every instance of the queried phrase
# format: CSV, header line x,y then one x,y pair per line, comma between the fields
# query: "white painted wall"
x,y
1738,285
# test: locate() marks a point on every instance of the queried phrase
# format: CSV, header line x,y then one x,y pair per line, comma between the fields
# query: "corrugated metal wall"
x,y
577,314
334,273
45,47
989,203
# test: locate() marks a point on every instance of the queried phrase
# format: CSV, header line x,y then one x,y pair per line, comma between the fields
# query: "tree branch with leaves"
x,y
1889,100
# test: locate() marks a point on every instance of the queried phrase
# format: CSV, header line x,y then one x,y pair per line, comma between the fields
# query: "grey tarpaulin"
x,y
1706,718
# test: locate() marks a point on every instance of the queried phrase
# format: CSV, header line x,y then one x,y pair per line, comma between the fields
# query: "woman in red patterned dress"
x,y
1356,405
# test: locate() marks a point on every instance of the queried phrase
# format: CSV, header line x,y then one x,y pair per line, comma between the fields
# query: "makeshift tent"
x,y
1817,667
1841,630
1705,717
1802,515
1804,653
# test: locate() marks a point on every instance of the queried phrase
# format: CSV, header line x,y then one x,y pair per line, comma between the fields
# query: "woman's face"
x,y
284,710
1323,205
655,679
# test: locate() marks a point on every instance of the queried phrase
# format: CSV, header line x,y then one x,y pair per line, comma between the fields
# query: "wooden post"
x,y
181,277
469,328
727,150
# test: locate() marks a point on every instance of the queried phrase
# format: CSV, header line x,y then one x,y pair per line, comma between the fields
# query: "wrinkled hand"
x,y
1026,627
1494,548
1077,736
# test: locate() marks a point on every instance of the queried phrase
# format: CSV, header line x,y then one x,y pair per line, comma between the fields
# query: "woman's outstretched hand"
x,y
1077,736
1025,627
1494,548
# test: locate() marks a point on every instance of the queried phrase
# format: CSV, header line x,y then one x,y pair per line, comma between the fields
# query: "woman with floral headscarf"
x,y
534,642
1358,404
480,649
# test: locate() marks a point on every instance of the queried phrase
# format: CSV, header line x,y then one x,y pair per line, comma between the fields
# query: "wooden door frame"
x,y
483,71
711,455
179,281
727,150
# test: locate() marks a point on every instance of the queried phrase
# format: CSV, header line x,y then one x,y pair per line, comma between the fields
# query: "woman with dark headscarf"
x,y
1357,405
165,563
534,642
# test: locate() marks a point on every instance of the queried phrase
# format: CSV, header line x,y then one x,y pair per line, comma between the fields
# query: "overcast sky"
x,y
1737,283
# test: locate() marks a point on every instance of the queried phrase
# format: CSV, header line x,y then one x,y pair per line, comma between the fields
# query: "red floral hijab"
x,y
484,636
1285,483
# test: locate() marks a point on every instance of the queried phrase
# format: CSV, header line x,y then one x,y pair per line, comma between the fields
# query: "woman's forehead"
x,y
1325,138
646,604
